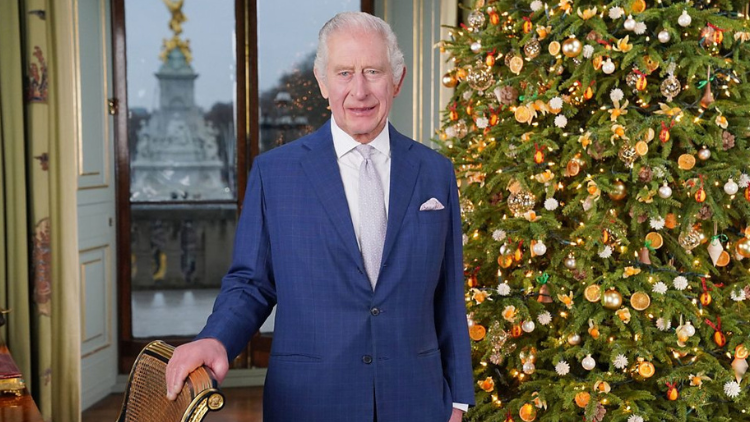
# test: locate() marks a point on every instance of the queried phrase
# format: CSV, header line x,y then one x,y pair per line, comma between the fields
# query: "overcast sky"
x,y
287,33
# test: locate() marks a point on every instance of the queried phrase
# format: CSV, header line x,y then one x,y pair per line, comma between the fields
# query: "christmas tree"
x,y
602,152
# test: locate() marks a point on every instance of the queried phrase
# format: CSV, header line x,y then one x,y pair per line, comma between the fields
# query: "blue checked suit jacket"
x,y
341,351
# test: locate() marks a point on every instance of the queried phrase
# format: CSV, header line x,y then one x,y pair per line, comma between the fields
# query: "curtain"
x,y
38,244
14,263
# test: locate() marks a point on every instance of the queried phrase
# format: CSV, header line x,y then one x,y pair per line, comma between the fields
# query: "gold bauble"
x,y
450,80
618,192
743,247
527,412
640,301
612,299
572,47
521,202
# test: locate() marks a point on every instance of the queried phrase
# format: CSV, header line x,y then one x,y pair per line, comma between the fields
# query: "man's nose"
x,y
359,86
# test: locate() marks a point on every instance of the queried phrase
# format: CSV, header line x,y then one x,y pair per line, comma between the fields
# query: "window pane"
x,y
181,99
181,84
290,102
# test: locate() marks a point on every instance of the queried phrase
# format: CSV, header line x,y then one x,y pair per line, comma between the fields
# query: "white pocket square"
x,y
432,204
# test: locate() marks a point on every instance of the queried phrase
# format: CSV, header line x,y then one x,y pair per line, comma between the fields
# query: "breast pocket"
x,y
433,217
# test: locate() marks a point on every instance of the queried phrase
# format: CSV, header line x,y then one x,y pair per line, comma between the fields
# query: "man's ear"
x,y
321,83
400,83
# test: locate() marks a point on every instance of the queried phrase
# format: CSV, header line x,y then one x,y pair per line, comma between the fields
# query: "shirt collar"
x,y
343,143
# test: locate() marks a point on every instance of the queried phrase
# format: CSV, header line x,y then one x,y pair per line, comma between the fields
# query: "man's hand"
x,y
188,357
457,415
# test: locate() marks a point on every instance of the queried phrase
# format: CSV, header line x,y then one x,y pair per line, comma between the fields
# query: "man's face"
x,y
358,83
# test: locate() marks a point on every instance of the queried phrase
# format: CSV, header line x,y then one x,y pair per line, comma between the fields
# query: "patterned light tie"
x,y
372,217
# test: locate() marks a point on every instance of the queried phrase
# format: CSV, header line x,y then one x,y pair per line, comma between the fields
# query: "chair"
x,y
145,397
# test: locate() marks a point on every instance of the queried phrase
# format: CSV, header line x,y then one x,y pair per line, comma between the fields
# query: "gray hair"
x,y
363,21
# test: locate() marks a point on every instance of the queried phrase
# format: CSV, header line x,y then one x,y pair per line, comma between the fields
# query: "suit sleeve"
x,y
248,293
450,307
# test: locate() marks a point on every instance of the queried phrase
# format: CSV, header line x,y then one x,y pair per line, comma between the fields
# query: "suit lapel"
x,y
404,171
322,169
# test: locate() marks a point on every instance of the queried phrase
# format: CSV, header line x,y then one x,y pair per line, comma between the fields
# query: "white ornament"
x,y
556,103
498,235
528,326
483,122
588,363
620,361
684,20
529,368
680,282
660,287
738,295
464,239
732,389
561,121
665,191
629,23
476,47
663,325
536,5
616,95
606,252
588,51
715,249
640,28
635,418
744,181
539,248
616,12
503,289
657,223
730,187
544,318
551,204
664,36
689,329
608,67
562,368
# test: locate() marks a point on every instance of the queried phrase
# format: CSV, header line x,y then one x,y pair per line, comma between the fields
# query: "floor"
x,y
165,313
244,404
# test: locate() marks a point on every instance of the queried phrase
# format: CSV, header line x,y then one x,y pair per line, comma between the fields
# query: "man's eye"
x,y
345,73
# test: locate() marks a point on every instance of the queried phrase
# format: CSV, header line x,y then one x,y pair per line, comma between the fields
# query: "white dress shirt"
x,y
349,161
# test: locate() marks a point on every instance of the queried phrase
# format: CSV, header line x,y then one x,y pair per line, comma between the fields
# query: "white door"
x,y
96,200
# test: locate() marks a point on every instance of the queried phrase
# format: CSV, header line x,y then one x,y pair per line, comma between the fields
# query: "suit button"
x,y
367,359
375,311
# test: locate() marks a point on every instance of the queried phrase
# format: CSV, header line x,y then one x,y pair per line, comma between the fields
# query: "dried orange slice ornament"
x,y
655,240
686,162
477,332
516,64
641,148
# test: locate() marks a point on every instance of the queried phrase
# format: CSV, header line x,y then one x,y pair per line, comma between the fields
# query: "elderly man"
x,y
354,233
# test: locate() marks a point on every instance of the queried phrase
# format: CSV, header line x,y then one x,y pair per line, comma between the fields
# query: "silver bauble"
x,y
704,154
588,363
731,187
476,47
629,24
539,248
570,262
528,368
664,36
574,339
528,326
665,191
608,67
476,19
684,20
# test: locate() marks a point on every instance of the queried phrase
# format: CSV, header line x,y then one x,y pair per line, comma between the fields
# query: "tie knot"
x,y
365,150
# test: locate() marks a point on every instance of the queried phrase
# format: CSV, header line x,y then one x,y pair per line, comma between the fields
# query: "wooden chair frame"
x,y
145,397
